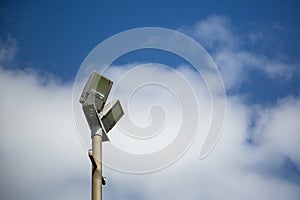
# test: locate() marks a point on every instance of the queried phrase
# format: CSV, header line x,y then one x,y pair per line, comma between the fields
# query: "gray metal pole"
x,y
97,170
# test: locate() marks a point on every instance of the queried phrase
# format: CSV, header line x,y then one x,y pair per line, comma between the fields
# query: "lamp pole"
x,y
96,158
101,119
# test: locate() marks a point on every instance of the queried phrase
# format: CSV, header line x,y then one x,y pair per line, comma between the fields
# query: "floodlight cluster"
x,y
93,99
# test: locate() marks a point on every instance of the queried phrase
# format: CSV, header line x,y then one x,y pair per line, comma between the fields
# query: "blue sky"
x,y
63,33
255,44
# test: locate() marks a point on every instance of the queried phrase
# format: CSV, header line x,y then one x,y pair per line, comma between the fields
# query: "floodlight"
x,y
96,91
110,115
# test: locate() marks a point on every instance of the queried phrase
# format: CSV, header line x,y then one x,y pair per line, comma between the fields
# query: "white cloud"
x,y
215,31
232,171
226,47
278,128
41,157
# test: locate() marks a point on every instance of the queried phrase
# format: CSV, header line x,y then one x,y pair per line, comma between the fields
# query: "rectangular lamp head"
x,y
110,115
96,91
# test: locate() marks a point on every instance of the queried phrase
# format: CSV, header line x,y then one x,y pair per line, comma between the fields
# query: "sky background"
x,y
255,44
